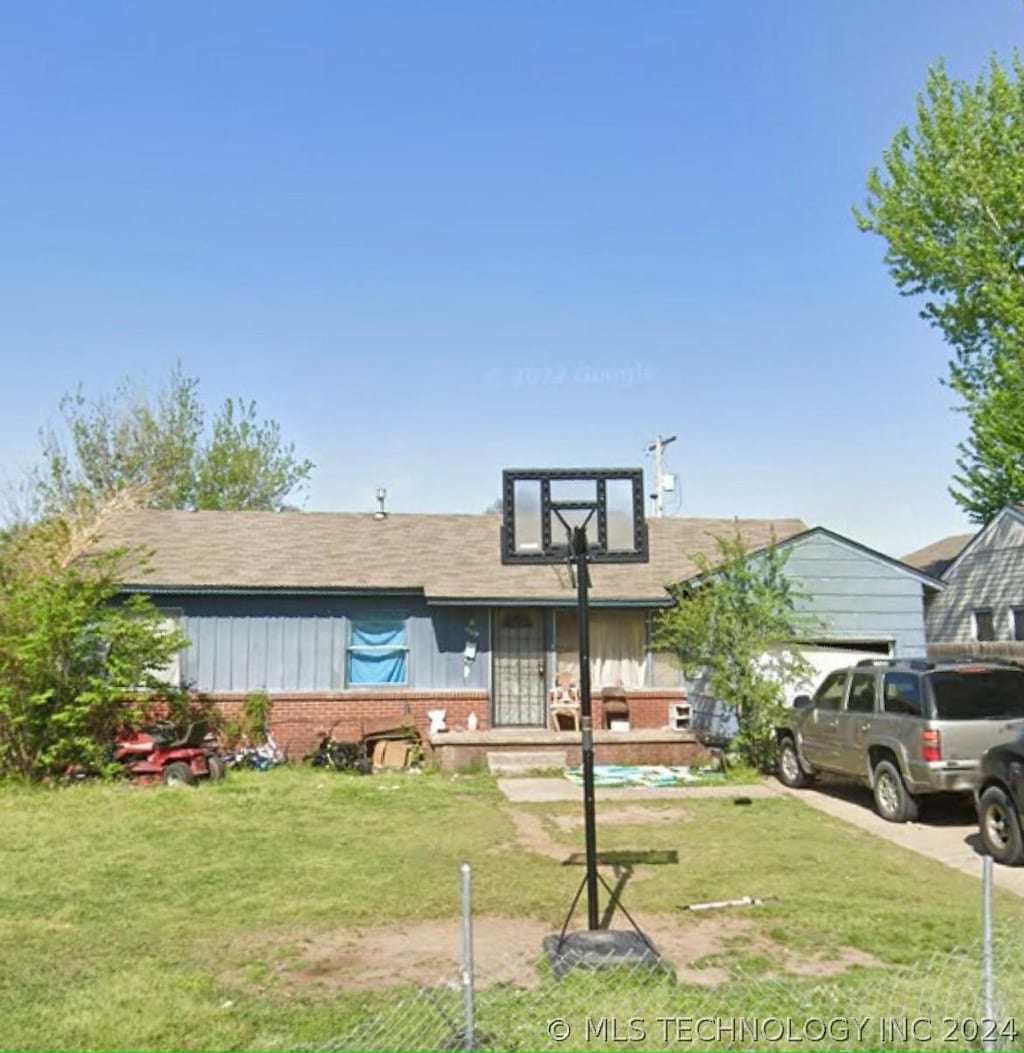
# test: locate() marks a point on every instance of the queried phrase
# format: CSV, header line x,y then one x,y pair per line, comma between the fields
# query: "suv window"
x,y
862,693
978,693
830,694
901,693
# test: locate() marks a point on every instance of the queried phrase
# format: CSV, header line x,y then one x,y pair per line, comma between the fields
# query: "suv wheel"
x,y
892,800
789,771
1000,828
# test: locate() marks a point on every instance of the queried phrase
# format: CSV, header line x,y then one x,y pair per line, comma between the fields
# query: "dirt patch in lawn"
x,y
684,946
507,950
533,835
627,815
422,953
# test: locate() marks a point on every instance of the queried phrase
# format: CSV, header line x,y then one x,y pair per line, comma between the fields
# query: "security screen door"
x,y
518,671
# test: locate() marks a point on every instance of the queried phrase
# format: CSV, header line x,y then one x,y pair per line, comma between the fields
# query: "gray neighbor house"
x,y
347,619
980,610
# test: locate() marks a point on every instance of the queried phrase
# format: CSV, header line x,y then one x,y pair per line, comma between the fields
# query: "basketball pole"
x,y
579,550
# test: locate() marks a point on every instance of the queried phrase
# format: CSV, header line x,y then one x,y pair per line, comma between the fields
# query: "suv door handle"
x,y
864,725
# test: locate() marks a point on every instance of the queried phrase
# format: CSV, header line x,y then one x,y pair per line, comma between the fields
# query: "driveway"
x,y
948,831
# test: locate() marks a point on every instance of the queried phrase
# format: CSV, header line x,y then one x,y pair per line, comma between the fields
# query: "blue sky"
x,y
438,239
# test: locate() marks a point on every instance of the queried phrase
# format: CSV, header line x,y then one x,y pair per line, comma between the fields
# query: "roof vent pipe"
x,y
381,497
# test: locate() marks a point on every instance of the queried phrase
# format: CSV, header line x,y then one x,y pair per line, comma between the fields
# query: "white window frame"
x,y
382,616
171,619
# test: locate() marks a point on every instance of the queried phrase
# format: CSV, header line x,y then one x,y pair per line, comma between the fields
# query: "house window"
x,y
617,647
377,651
1017,618
984,624
170,674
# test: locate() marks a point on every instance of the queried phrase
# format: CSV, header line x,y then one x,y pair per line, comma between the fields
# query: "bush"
x,y
75,659
734,627
249,727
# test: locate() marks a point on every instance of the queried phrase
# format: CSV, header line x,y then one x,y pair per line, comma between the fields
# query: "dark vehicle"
x,y
904,727
999,799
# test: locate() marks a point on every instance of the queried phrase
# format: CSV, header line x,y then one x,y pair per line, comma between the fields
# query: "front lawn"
x,y
173,919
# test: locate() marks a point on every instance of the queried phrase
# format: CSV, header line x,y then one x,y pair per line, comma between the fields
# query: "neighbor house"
x,y
980,612
860,604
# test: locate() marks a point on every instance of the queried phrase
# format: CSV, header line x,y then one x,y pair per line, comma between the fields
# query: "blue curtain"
x,y
377,653
377,634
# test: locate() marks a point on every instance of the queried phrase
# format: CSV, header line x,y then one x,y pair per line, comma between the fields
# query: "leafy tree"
x,y
160,453
950,204
735,627
245,464
991,462
74,662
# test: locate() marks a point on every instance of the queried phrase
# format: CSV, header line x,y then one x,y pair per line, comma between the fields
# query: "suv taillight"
x,y
931,745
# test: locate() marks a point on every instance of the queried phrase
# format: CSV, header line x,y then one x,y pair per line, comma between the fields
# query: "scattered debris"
x,y
717,904
645,775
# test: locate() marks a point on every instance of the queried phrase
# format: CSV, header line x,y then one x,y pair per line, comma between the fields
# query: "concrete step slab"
x,y
508,762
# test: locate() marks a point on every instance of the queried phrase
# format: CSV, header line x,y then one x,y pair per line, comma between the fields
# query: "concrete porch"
x,y
463,750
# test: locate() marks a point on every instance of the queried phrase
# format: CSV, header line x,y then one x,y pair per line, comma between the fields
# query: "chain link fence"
x,y
971,999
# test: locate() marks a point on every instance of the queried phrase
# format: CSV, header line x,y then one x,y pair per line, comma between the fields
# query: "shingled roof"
x,y
934,558
449,557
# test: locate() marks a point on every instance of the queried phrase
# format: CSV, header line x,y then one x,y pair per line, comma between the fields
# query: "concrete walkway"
x,y
947,834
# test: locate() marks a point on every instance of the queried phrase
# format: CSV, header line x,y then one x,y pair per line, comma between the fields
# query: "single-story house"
x,y
862,603
345,618
980,612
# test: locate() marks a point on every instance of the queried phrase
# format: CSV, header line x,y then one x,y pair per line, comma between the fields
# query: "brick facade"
x,y
299,719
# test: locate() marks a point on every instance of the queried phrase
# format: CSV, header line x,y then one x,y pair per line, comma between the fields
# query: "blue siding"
x,y
856,596
292,643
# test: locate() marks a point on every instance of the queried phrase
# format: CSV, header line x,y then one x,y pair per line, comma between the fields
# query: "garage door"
x,y
824,658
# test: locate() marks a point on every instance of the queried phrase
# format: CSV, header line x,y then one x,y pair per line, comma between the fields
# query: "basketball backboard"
x,y
540,508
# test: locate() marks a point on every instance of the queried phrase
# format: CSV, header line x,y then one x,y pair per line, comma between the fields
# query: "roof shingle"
x,y
934,558
447,556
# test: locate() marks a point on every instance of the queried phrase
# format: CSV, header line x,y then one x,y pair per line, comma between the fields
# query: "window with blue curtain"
x,y
377,651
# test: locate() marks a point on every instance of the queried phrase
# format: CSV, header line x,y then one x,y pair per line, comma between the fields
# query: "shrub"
x,y
75,658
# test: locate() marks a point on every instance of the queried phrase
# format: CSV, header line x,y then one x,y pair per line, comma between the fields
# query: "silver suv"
x,y
903,727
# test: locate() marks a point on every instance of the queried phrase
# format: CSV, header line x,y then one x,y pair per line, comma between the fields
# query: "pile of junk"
x,y
381,744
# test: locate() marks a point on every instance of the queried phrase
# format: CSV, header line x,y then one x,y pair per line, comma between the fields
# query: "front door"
x,y
518,671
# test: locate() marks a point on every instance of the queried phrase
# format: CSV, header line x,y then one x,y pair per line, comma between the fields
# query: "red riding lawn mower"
x,y
159,753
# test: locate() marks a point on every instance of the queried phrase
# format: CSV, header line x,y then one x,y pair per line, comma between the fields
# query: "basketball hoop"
x,y
579,516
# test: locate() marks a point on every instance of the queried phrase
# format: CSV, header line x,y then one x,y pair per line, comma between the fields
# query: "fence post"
x,y
988,1038
467,958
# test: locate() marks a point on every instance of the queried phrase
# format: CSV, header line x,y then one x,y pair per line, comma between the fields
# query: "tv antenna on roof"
x,y
662,483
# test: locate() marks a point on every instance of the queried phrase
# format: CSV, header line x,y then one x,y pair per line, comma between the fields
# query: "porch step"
x,y
521,762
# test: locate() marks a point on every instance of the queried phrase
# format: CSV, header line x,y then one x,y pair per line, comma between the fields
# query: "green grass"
x,y
142,918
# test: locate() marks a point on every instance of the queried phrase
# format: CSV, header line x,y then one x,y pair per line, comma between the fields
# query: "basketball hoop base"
x,y
600,949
